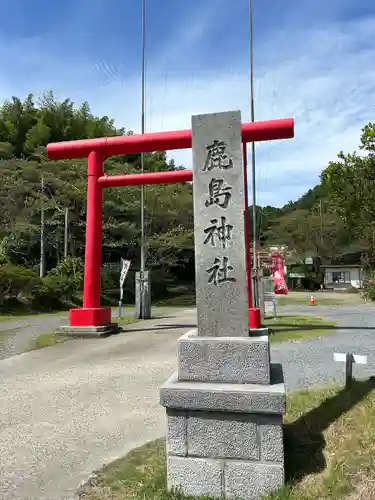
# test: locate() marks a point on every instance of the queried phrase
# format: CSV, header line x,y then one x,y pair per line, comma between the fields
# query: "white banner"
x,y
124,271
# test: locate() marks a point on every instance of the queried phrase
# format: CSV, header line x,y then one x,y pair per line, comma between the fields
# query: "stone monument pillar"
x,y
225,403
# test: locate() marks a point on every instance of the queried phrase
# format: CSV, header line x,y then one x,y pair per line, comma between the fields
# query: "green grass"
x,y
187,299
23,316
48,339
183,300
5,317
321,298
329,453
322,301
32,315
286,328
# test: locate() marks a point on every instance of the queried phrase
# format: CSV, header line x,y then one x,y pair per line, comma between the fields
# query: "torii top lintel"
x,y
162,141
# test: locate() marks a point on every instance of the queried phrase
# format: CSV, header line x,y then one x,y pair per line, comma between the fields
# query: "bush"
x,y
47,296
23,289
67,277
17,285
368,290
63,285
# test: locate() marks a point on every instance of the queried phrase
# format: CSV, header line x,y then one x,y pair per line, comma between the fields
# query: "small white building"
x,y
342,276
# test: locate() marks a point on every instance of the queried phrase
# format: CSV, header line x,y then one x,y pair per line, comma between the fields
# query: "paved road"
x,y
16,335
311,362
68,409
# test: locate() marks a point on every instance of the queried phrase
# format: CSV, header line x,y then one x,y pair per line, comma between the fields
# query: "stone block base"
x,y
215,396
89,331
237,436
237,360
230,479
225,440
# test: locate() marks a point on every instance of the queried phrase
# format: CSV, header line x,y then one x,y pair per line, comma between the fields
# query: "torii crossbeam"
x,y
96,150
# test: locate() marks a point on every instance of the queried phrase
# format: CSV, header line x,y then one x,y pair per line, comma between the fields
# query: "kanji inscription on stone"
x,y
219,272
219,230
218,193
217,156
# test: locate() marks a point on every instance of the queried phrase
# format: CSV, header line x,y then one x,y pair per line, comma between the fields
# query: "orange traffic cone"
x,y
312,301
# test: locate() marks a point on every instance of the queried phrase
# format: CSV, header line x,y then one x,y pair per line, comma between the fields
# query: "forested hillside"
x,y
25,129
335,217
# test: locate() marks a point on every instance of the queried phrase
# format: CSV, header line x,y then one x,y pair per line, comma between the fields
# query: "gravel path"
x,y
310,362
69,409
16,335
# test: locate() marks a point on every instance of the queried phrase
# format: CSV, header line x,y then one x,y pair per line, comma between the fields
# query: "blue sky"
x,y
314,61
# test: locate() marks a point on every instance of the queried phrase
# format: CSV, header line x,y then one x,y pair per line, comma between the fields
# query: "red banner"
x,y
277,269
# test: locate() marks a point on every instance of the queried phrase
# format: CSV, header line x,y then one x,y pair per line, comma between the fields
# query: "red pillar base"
x,y
255,318
98,316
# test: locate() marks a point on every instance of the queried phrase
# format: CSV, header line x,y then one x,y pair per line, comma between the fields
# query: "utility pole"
x,y
253,172
143,257
66,221
42,256
144,304
321,221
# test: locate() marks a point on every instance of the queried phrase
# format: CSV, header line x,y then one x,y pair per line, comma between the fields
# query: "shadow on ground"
x,y
273,330
167,326
304,439
321,326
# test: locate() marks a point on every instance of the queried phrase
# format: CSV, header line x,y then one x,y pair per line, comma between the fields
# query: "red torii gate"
x,y
96,150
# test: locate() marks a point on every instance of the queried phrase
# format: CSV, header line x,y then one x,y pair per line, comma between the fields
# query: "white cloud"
x,y
322,77
190,32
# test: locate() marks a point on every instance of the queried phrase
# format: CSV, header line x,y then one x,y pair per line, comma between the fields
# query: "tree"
x,y
26,129
333,216
352,193
368,138
17,118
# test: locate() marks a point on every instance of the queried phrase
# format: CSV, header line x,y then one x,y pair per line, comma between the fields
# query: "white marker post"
x,y
349,359
124,271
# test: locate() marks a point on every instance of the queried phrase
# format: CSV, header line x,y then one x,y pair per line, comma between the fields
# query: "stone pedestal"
x,y
224,417
225,403
89,331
